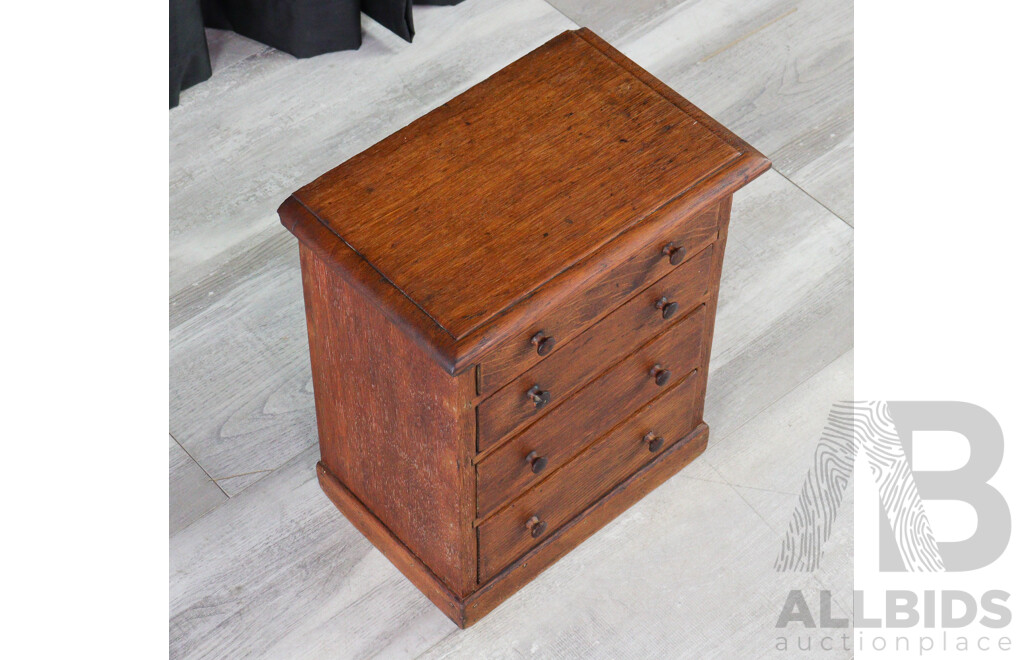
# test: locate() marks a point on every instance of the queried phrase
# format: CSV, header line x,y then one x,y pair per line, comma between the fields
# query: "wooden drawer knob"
x,y
675,253
661,375
654,441
536,463
539,397
543,343
536,526
668,309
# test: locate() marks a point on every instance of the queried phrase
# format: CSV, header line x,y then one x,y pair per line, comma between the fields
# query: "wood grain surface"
x,y
393,426
566,319
475,205
670,416
399,273
242,583
569,491
571,367
700,162
569,428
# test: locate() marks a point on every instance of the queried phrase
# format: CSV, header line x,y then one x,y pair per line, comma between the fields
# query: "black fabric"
x,y
395,15
190,60
303,28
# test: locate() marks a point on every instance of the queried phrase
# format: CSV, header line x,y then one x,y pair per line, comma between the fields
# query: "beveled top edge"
x,y
455,355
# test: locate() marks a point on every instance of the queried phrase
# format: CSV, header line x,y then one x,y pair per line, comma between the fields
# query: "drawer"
x,y
518,353
539,513
566,430
552,381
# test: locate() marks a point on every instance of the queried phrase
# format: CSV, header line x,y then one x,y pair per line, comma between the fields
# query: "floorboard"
x,y
778,72
275,571
192,491
786,302
242,141
264,125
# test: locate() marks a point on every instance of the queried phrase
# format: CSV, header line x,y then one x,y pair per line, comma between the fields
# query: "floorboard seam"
x,y
746,36
208,475
816,200
776,400
728,482
567,16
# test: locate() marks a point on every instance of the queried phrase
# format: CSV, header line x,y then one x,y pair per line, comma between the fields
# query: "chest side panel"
x,y
394,428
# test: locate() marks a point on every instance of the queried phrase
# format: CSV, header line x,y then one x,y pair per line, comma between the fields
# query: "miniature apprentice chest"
x,y
510,305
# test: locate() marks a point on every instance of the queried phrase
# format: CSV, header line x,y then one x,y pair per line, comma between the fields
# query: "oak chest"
x,y
510,305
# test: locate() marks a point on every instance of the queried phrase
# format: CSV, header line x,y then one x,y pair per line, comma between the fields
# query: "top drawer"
x,y
674,245
554,380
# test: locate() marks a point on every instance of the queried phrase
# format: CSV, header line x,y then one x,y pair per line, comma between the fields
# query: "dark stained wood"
x,y
505,473
724,213
392,424
572,426
442,198
559,498
514,191
751,157
361,276
510,306
568,319
557,545
404,559
607,341
629,383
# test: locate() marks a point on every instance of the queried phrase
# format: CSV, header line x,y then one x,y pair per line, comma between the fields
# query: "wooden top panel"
x,y
476,219
474,206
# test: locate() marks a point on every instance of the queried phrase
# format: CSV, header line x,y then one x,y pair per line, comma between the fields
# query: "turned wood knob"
x,y
536,463
539,397
654,442
668,309
675,253
543,343
661,375
536,526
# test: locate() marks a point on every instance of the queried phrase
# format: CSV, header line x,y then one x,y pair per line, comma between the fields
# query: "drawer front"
x,y
518,353
566,430
550,382
539,513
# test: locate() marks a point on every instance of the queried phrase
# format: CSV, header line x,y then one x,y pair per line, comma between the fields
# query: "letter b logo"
x,y
967,484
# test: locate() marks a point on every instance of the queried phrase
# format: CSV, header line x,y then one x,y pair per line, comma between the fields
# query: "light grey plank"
x,y
229,48
278,572
835,573
709,25
821,162
686,571
768,458
763,453
241,390
786,301
192,492
785,86
241,393
777,72
614,19
245,139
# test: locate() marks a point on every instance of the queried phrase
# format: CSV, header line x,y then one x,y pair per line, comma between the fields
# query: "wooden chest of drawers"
x,y
510,305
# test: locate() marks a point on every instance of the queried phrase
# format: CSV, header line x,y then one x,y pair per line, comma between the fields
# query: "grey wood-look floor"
x,y
262,564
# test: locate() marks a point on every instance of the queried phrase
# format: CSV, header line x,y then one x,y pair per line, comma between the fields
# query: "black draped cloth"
x,y
303,28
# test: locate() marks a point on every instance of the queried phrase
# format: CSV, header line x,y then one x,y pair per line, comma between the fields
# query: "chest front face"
x,y
510,305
